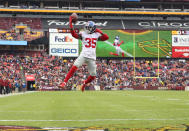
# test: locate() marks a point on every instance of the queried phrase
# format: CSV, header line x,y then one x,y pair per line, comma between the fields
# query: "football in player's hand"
x,y
74,17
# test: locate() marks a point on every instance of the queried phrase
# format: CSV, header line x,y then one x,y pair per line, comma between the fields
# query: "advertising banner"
x,y
30,78
64,50
64,23
61,43
62,38
5,42
156,24
180,52
44,24
116,24
180,40
180,44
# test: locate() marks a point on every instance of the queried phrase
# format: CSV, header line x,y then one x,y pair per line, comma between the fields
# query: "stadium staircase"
x,y
22,74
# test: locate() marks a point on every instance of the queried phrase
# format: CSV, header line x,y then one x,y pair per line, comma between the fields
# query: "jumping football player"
x,y
117,45
89,38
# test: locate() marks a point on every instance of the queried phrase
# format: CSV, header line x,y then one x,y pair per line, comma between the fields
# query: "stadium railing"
x,y
93,11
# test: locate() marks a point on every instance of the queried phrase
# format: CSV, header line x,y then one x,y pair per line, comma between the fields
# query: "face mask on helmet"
x,y
90,27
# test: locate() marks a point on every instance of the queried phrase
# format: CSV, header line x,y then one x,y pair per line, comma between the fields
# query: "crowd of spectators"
x,y
10,78
9,36
49,72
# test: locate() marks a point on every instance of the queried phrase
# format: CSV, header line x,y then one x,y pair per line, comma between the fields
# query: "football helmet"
x,y
90,27
117,37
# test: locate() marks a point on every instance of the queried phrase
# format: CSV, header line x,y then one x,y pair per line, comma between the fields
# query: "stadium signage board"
x,y
117,24
61,43
6,42
180,52
78,23
156,24
30,77
180,44
64,23
180,40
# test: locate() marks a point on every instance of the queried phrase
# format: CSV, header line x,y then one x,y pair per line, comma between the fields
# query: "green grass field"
x,y
107,109
146,43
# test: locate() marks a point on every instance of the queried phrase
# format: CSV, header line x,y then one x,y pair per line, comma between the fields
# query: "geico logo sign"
x,y
63,39
164,24
64,50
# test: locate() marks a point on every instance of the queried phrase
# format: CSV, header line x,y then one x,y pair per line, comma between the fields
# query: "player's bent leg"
x,y
111,53
122,54
78,62
70,73
92,70
68,76
89,79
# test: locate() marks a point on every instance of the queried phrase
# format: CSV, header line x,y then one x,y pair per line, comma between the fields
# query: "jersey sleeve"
x,y
98,34
81,33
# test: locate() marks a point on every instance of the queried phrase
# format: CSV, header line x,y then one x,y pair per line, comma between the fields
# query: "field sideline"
x,y
120,109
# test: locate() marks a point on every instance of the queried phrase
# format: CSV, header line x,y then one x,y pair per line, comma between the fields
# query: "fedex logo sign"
x,y
63,39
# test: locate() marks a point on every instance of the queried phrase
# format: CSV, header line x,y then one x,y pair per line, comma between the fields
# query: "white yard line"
x,y
15,94
110,110
150,119
173,99
109,43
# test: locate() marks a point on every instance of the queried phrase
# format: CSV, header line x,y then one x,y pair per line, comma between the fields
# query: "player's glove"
x,y
99,31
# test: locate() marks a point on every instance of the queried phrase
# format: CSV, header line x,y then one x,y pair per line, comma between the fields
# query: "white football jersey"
x,y
89,43
116,42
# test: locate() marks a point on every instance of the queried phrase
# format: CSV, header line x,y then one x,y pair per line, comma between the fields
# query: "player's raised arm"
x,y
72,19
120,43
104,37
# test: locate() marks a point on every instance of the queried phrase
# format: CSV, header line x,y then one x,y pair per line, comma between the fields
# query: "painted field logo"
x,y
20,128
151,47
137,32
183,127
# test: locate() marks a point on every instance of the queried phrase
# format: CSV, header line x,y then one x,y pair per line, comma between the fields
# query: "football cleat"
x,y
83,86
62,85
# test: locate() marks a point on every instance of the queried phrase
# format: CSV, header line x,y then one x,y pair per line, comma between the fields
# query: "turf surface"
x,y
137,109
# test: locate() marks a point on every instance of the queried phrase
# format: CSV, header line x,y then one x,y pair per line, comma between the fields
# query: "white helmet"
x,y
117,37
90,27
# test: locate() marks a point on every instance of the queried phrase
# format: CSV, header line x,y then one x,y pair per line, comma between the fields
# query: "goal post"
x,y
134,57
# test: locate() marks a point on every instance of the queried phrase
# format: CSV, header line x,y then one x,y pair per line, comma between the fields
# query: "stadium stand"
x,y
49,71
99,5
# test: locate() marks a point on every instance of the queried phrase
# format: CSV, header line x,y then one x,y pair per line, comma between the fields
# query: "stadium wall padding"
x,y
112,24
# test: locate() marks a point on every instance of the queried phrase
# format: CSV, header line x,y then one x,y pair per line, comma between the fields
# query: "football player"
x,y
117,45
89,38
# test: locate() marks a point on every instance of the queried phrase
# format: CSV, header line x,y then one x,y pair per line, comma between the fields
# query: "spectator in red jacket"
x,y
1,85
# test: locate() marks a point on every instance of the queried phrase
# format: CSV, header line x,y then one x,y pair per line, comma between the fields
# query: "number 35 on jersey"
x,y
90,42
